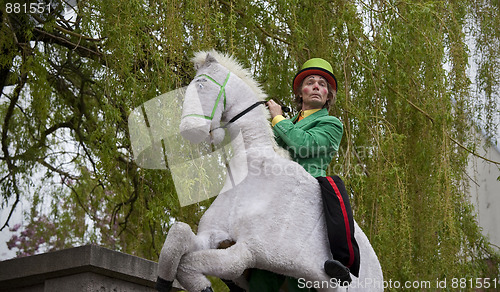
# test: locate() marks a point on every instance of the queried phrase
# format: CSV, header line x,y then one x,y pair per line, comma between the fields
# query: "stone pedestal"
x,y
87,268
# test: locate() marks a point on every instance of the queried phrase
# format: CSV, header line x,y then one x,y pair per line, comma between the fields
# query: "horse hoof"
x,y
163,285
208,289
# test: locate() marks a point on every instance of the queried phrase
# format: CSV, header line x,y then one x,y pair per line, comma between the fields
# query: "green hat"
x,y
315,66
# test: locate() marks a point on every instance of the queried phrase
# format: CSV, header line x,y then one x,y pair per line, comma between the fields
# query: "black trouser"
x,y
339,222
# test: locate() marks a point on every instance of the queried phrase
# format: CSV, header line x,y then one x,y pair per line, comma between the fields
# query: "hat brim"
x,y
330,78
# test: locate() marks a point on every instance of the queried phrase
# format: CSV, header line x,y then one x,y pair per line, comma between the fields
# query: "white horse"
x,y
273,212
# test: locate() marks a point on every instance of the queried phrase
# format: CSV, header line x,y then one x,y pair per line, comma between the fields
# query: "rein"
x,y
246,111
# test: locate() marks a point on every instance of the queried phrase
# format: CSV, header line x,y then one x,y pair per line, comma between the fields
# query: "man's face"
x,y
314,92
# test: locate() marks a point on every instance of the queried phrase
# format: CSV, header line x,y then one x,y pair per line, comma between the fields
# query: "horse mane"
x,y
232,65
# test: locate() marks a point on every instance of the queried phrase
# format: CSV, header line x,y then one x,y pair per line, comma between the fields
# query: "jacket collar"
x,y
311,117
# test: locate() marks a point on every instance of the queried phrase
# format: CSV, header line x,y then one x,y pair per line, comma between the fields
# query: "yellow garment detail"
x,y
303,114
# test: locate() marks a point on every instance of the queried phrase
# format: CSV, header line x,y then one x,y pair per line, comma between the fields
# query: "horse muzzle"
x,y
195,129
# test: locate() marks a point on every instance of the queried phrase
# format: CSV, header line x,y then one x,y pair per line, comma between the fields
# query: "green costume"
x,y
312,141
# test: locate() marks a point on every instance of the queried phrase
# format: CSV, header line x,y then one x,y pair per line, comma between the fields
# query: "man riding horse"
x,y
276,210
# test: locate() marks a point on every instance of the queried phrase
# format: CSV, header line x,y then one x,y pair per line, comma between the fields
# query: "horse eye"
x,y
200,85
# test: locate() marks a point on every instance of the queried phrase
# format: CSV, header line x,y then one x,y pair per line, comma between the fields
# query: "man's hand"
x,y
274,108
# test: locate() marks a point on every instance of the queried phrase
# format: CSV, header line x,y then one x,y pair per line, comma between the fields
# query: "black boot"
x,y
163,285
338,271
208,289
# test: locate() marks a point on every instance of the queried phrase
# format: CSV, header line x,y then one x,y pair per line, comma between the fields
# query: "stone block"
x,y
86,268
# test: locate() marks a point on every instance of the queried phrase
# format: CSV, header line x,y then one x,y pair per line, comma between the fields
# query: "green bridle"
x,y
222,93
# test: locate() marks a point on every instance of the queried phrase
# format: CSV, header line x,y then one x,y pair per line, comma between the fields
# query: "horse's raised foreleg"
x,y
227,264
180,240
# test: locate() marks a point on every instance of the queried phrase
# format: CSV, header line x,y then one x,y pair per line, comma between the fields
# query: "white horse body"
x,y
275,212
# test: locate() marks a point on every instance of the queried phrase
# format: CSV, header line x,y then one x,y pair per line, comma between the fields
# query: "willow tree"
x,y
71,75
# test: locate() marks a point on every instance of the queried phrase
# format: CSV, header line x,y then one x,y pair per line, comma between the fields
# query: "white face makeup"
x,y
314,92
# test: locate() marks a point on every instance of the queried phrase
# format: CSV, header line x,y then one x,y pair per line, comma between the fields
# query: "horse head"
x,y
205,102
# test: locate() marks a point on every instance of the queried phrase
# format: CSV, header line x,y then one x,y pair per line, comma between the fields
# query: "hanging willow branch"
x,y
388,57
431,119
447,134
470,151
259,27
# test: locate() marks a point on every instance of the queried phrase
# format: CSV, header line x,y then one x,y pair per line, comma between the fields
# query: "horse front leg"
x,y
180,240
227,264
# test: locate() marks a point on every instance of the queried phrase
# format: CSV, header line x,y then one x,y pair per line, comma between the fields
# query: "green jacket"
x,y
312,141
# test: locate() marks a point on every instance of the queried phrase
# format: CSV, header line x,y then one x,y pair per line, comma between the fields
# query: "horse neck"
x,y
255,133
254,127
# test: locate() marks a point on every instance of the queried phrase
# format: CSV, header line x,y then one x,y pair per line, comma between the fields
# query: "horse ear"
x,y
210,59
206,62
